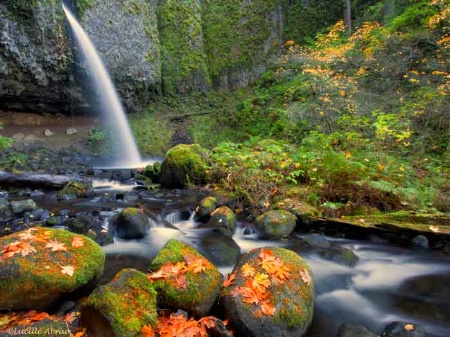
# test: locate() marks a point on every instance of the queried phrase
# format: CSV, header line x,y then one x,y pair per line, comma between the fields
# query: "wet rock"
x,y
152,172
43,266
21,206
121,307
131,223
48,133
216,246
223,218
420,241
194,287
75,189
100,235
403,329
275,224
350,330
340,255
183,165
207,205
6,212
317,240
271,293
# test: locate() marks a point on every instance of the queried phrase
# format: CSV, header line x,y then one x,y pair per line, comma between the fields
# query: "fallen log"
x,y
35,179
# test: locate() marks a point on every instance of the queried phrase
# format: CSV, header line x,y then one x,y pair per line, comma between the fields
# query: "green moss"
x,y
183,59
83,5
197,291
131,211
40,272
126,304
234,33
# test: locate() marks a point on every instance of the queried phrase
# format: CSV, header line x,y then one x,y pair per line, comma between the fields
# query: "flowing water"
x,y
388,283
126,152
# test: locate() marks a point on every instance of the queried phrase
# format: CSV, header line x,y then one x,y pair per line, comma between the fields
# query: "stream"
x,y
388,283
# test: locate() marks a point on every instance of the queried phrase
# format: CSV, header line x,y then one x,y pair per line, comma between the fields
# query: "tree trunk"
x,y
348,16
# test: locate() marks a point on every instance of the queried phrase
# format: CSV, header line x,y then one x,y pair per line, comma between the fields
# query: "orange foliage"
x,y
230,280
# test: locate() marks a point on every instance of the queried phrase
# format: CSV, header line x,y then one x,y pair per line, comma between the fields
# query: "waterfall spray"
x,y
126,152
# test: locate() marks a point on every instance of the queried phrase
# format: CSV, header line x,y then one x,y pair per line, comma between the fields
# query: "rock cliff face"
x,y
149,47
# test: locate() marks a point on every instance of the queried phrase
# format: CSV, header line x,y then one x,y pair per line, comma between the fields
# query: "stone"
x,y
420,241
195,285
121,307
183,165
71,131
207,205
270,292
403,329
48,133
340,255
224,218
41,266
21,206
275,225
131,223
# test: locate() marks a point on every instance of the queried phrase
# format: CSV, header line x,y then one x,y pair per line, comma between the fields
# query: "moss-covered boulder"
x,y
40,267
184,279
275,224
223,218
75,189
207,205
183,165
270,292
121,307
131,223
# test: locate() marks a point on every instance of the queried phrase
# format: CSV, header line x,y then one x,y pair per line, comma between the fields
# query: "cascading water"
x,y
126,153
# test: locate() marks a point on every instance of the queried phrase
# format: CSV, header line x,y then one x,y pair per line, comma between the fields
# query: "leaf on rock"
x,y
77,242
268,308
147,331
17,247
261,282
230,280
247,270
68,270
56,246
26,235
197,265
305,276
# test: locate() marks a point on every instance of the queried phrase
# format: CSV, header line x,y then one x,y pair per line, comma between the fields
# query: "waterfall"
x,y
125,151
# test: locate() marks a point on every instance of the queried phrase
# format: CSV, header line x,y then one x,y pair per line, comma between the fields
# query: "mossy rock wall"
x,y
181,38
239,36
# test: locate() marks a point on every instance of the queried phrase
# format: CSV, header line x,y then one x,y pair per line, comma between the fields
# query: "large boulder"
x,y
121,307
40,267
270,292
184,279
275,224
131,223
183,165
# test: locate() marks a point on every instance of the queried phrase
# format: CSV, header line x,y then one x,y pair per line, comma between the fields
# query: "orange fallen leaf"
x,y
409,327
247,270
147,331
197,265
77,242
268,308
17,247
305,276
230,280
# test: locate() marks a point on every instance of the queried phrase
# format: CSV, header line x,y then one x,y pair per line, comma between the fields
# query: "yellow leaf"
x,y
247,270
348,155
261,282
